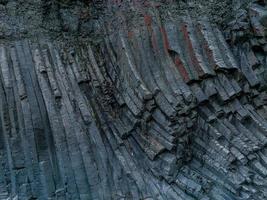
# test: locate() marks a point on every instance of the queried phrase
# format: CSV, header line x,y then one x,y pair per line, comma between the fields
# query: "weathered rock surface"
x,y
133,100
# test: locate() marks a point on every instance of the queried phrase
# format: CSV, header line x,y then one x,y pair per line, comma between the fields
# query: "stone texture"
x,y
151,105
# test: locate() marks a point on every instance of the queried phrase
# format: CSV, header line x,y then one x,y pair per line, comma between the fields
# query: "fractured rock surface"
x,y
156,103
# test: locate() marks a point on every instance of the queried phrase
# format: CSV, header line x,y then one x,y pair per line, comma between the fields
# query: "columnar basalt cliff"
x,y
110,100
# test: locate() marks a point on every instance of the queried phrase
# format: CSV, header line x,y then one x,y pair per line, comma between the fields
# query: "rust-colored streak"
x,y
148,23
191,52
181,69
165,39
148,20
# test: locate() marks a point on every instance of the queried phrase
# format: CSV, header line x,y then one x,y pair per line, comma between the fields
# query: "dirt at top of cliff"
x,y
82,18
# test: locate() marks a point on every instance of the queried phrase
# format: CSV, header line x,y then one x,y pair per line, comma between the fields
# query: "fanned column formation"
x,y
162,109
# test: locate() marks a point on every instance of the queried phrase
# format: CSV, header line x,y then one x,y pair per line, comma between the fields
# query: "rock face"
x,y
133,100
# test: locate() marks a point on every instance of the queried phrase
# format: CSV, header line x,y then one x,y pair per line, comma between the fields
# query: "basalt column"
x,y
110,100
